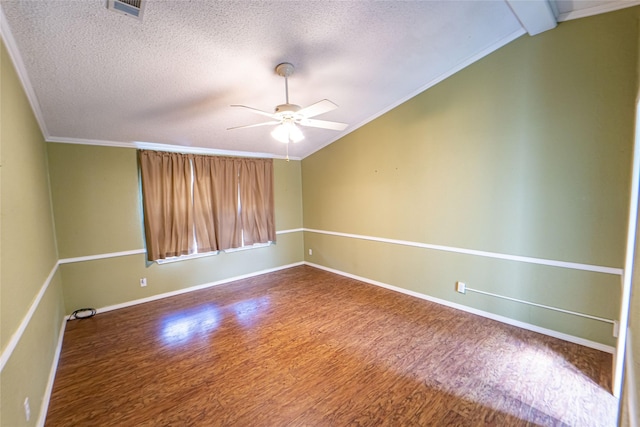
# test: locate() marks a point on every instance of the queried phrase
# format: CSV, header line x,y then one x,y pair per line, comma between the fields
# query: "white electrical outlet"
x,y
143,282
461,287
310,251
27,409
616,329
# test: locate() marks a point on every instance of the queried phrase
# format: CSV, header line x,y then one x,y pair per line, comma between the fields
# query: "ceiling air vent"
x,y
127,7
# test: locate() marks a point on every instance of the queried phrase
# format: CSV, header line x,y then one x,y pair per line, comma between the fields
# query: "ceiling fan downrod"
x,y
285,70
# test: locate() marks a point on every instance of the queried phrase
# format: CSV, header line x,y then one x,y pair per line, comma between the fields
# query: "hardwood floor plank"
x,y
305,347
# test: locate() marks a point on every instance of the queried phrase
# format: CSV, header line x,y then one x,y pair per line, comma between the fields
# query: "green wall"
x,y
632,364
28,248
633,341
526,152
97,208
95,194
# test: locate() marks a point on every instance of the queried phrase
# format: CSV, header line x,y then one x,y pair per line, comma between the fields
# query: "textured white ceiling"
x,y
101,77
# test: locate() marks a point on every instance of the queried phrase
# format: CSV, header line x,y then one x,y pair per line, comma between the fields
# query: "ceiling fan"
x,y
288,116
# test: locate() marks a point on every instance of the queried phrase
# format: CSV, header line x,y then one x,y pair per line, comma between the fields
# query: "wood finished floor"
x,y
303,347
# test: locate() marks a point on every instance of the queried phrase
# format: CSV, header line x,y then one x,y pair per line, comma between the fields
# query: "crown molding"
x,y
16,57
597,10
21,71
461,65
142,145
536,17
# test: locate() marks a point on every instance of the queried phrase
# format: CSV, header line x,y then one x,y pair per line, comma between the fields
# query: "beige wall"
x,y
526,152
27,244
97,208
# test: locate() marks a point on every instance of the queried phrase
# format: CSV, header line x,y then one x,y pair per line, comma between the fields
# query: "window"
x,y
195,204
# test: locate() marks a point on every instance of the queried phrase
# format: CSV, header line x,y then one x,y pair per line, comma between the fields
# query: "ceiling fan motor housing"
x,y
287,111
287,115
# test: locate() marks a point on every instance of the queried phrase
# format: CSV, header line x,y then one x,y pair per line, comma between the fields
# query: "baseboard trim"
x,y
195,288
44,408
512,322
54,365
502,319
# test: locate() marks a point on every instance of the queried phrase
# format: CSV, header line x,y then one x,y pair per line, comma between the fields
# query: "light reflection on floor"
x,y
521,388
537,364
179,328
247,311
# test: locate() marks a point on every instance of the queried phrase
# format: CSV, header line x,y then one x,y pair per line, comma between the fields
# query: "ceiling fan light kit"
x,y
287,132
288,116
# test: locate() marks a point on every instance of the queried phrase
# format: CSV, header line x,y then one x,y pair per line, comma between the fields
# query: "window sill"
x,y
185,257
244,248
206,254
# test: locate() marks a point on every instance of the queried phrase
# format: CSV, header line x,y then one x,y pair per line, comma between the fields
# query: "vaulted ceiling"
x,y
95,76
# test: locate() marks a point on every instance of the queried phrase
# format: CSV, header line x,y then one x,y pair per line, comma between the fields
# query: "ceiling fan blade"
x,y
324,124
255,110
318,108
273,122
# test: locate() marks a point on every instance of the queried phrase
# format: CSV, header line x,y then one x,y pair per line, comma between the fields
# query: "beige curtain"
x,y
218,223
167,202
205,224
256,201
232,200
